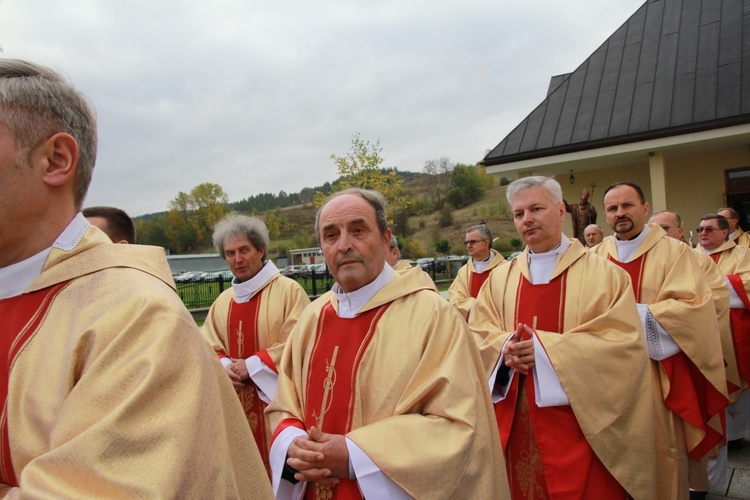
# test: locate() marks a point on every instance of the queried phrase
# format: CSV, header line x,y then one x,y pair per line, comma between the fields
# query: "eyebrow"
x,y
348,223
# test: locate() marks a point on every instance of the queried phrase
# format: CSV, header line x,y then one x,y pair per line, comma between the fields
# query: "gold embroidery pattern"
x,y
528,467
328,384
240,342
323,491
247,399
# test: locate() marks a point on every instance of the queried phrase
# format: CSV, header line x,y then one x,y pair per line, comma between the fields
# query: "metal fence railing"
x,y
201,293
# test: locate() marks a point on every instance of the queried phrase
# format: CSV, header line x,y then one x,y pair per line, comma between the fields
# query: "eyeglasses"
x,y
707,230
472,242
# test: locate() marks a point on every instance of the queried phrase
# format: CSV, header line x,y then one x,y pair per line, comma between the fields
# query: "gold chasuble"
x,y
720,293
547,454
330,398
465,287
741,238
22,315
258,327
601,444
734,263
109,389
403,381
690,386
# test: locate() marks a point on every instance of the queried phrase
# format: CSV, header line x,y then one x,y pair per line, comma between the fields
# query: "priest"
x,y
249,322
482,260
380,392
550,323
108,389
678,315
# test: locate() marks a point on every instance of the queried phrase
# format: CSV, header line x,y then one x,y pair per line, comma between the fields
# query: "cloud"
x,y
256,96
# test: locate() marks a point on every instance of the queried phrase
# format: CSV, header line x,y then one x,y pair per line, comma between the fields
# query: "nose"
x,y
344,242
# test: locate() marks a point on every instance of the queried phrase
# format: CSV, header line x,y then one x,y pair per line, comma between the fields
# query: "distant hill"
x,y
295,216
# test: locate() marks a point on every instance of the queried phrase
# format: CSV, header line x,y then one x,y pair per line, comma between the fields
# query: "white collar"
x,y
350,303
626,248
14,279
482,265
731,236
244,291
542,265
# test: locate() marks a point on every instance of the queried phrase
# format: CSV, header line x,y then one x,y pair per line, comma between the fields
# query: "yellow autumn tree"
x,y
362,167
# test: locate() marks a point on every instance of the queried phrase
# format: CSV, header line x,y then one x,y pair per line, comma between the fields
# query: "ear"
x,y
387,240
60,154
646,208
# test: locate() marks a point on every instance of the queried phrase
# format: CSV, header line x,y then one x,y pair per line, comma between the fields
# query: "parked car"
x,y
440,262
318,270
189,277
218,276
291,271
425,263
304,271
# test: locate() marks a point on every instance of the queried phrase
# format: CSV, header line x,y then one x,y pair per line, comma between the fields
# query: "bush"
x,y
446,217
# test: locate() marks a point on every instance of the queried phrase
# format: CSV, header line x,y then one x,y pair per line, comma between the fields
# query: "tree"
x,y
208,202
192,217
468,183
443,246
446,217
361,168
438,172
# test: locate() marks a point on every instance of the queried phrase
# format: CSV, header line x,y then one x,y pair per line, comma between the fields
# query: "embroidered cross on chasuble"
x,y
690,396
22,316
546,453
332,383
242,331
740,320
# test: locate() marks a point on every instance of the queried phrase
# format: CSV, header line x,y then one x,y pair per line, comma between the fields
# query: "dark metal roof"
x,y
675,66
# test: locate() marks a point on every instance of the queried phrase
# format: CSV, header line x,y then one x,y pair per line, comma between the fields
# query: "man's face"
x,y
667,223
21,201
593,236
733,223
352,244
392,256
709,234
625,213
476,247
243,258
538,219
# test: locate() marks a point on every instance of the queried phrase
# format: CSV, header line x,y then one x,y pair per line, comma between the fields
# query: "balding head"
x,y
593,235
670,222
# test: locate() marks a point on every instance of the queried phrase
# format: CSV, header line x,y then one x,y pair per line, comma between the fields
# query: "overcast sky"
x,y
256,96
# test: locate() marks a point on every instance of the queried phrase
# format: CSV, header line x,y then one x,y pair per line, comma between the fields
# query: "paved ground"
x,y
739,474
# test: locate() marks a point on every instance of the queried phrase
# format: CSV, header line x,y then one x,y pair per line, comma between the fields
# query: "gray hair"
x,y
732,212
374,198
677,219
394,244
243,226
548,183
36,103
483,230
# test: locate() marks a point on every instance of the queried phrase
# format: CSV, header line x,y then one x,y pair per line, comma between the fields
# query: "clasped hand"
x,y
519,354
319,456
237,372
